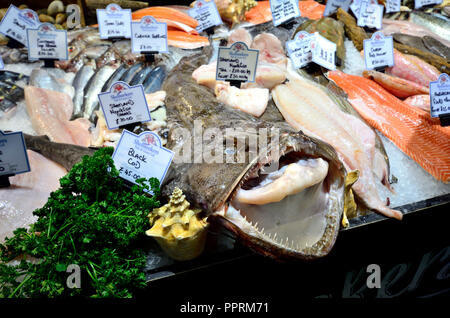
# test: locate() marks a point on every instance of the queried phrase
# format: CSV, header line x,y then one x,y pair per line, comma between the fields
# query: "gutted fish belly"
x,y
251,100
50,113
303,112
28,192
294,178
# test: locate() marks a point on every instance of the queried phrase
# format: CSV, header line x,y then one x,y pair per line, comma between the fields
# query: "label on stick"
x,y
237,63
114,22
378,51
148,35
13,154
440,96
206,14
16,22
46,42
299,49
284,10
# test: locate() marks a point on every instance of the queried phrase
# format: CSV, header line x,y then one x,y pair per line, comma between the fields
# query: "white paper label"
x,y
16,22
355,6
323,51
123,105
237,63
440,96
148,35
284,10
13,154
114,22
206,14
46,42
333,5
422,3
141,156
299,49
378,51
393,6
370,14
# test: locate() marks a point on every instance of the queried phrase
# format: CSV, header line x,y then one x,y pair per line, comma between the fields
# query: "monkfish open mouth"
x,y
293,212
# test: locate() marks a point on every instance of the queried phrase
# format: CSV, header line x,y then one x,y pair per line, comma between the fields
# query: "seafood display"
x,y
281,163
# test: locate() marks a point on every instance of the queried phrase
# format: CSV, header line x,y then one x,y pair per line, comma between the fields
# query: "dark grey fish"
x,y
79,83
11,91
140,77
13,76
115,77
436,47
155,79
131,72
410,40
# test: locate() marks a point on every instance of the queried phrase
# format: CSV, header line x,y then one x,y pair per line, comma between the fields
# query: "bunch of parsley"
x,y
94,221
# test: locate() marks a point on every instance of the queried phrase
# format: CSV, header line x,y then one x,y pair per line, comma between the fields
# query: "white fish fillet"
x,y
240,35
28,192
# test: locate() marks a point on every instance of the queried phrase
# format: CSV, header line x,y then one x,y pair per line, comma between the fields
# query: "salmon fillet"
x,y
411,129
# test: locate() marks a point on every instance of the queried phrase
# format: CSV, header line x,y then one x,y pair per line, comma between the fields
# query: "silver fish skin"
x,y
131,72
79,83
93,88
141,76
434,23
48,78
118,73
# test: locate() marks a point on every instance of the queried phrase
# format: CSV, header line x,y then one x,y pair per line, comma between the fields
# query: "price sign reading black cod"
x,y
148,35
206,14
237,63
114,22
46,42
124,105
16,22
13,154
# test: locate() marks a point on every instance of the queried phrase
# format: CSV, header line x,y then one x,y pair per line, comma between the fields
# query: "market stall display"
x,y
282,163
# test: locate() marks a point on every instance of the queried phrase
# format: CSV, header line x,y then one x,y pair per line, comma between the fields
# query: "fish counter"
x,y
238,129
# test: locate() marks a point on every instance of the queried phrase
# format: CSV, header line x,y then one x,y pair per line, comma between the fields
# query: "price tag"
x,y
141,156
13,154
333,5
440,96
378,51
114,22
16,22
355,6
422,3
124,104
323,51
206,14
148,35
284,10
393,6
370,14
299,49
237,63
46,42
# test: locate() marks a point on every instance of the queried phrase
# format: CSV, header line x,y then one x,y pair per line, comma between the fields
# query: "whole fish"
x,y
141,76
89,53
436,47
79,83
414,41
131,72
49,78
93,88
118,73
436,24
155,79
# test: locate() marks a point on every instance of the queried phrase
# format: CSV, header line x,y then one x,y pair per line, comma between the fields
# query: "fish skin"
x,y
305,108
411,40
141,76
131,72
397,86
115,77
89,53
421,101
51,79
410,129
155,79
437,25
436,47
79,83
185,40
93,88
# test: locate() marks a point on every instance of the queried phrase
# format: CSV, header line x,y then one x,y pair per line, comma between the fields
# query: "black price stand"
x,y
445,120
149,56
236,83
14,44
4,181
49,63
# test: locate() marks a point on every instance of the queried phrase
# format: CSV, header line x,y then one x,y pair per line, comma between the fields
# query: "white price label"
x,y
16,22
114,22
206,14
299,49
422,3
13,154
378,51
46,42
393,6
323,52
141,156
440,96
333,5
124,105
237,63
148,35
284,10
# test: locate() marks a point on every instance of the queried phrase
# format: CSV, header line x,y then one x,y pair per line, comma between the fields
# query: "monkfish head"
x,y
288,203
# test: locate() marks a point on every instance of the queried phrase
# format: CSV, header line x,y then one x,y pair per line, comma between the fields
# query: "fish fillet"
x,y
305,107
28,192
50,113
240,35
421,101
411,129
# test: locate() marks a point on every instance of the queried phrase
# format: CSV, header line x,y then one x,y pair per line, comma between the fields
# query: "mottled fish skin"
x,y
436,24
79,83
410,40
115,77
48,78
93,88
155,79
140,76
436,47
131,72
